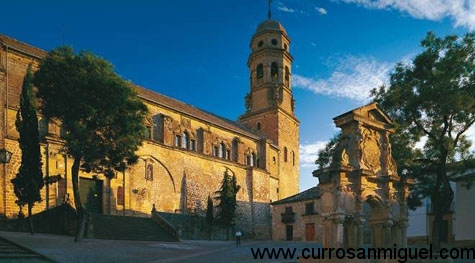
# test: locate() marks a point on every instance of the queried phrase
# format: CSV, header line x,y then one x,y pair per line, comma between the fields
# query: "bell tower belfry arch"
x,y
363,173
270,104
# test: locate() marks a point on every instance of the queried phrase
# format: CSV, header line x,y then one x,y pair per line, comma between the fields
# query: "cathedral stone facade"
x,y
186,152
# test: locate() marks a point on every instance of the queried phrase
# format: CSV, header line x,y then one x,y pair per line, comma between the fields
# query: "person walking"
x,y
238,235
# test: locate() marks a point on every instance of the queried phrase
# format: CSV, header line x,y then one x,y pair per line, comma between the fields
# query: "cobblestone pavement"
x,y
64,249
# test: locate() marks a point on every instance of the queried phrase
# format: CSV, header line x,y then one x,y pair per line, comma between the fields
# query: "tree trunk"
x,y
30,218
81,222
441,200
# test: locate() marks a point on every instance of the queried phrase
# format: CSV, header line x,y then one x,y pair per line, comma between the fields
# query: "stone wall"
x,y
174,174
302,219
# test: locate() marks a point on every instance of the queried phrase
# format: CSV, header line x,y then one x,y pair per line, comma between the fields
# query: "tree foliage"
x,y
102,117
29,179
432,100
325,155
226,197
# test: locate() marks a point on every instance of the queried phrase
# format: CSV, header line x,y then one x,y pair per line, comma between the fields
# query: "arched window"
x,y
253,159
120,195
248,159
222,150
260,71
258,126
148,133
274,70
287,73
149,172
285,154
235,147
184,143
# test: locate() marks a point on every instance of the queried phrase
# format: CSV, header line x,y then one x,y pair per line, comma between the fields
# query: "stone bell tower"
x,y
270,103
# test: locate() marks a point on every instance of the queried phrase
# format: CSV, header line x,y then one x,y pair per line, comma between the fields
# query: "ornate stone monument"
x,y
363,173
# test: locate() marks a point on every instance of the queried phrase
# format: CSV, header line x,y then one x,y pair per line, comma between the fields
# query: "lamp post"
x,y
5,156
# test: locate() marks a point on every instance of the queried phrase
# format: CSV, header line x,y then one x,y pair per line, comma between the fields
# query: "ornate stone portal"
x,y
361,187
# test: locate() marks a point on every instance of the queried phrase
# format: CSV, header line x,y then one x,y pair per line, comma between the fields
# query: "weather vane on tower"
x,y
268,6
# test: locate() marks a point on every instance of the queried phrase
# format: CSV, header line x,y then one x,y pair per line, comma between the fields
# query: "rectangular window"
x,y
177,140
120,195
309,208
215,151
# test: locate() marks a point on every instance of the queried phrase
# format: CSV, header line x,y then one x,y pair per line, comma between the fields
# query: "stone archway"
x,y
363,171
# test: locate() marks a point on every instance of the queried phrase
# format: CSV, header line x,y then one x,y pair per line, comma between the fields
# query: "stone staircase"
x,y
127,228
12,252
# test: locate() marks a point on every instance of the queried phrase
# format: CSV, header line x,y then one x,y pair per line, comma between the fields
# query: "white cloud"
x,y
421,143
470,133
353,78
284,8
309,153
461,11
321,10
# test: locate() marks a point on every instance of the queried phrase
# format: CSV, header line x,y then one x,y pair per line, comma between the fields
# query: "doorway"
x,y
91,194
289,232
310,232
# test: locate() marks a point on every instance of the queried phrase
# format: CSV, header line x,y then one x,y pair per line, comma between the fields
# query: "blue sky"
x,y
196,51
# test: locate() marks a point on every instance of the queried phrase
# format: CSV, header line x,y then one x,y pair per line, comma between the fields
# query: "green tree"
x,y
433,100
209,217
101,115
325,155
29,179
227,202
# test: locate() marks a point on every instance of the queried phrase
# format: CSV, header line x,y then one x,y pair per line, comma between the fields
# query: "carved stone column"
x,y
387,234
382,233
339,236
360,221
327,232
403,224
396,234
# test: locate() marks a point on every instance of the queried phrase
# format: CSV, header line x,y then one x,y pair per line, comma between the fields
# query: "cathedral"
x,y
186,151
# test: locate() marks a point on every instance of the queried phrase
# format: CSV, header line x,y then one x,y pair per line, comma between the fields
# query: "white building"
x,y
458,227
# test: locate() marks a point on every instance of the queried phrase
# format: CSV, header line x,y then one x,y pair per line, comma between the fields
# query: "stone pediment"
x,y
370,115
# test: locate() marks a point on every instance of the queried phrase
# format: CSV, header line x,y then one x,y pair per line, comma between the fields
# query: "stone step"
x,y
127,228
11,252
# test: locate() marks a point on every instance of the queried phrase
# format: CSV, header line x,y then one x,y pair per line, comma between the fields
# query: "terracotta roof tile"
x,y
312,193
22,46
195,112
155,97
